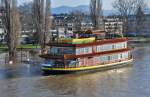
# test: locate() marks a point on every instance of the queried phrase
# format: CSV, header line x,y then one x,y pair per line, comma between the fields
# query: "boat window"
x,y
73,63
49,61
59,64
85,50
62,50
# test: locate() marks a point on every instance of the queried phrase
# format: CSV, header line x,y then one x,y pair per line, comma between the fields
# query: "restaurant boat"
x,y
69,55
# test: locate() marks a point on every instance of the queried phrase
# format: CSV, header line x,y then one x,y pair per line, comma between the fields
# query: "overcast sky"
x,y
107,4
55,3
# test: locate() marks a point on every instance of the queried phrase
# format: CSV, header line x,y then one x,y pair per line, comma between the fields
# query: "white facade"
x,y
85,50
113,25
1,31
2,35
102,48
108,47
113,57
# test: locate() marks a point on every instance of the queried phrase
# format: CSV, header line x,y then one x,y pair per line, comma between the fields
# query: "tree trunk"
x,y
96,13
11,26
42,22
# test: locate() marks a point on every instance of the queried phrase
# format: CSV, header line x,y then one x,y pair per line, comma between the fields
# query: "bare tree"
x,y
126,8
42,22
26,18
78,19
12,27
140,19
96,12
48,22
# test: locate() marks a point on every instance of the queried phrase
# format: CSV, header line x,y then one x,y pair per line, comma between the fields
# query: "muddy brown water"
x,y
26,80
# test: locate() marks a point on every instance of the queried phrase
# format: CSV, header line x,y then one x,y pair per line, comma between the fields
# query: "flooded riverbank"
x,y
26,80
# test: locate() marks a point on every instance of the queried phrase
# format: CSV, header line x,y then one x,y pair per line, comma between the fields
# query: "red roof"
x,y
98,32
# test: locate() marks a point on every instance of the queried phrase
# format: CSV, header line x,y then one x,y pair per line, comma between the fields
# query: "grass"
x,y
28,46
23,46
2,46
139,38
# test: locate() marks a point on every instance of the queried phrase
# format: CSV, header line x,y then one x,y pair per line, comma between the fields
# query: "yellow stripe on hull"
x,y
86,68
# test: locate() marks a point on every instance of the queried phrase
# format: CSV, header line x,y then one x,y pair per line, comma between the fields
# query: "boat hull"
x,y
49,70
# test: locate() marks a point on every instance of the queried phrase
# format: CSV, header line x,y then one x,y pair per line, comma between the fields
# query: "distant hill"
x,y
147,11
67,9
84,8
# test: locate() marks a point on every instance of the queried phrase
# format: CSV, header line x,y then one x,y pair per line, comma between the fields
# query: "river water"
x,y
27,81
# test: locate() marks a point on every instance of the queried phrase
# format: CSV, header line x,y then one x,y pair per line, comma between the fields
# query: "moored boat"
x,y
69,55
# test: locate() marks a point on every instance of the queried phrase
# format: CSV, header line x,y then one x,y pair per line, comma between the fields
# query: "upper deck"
x,y
92,47
86,42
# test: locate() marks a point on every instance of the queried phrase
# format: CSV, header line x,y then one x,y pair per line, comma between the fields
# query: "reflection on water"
x,y
27,81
